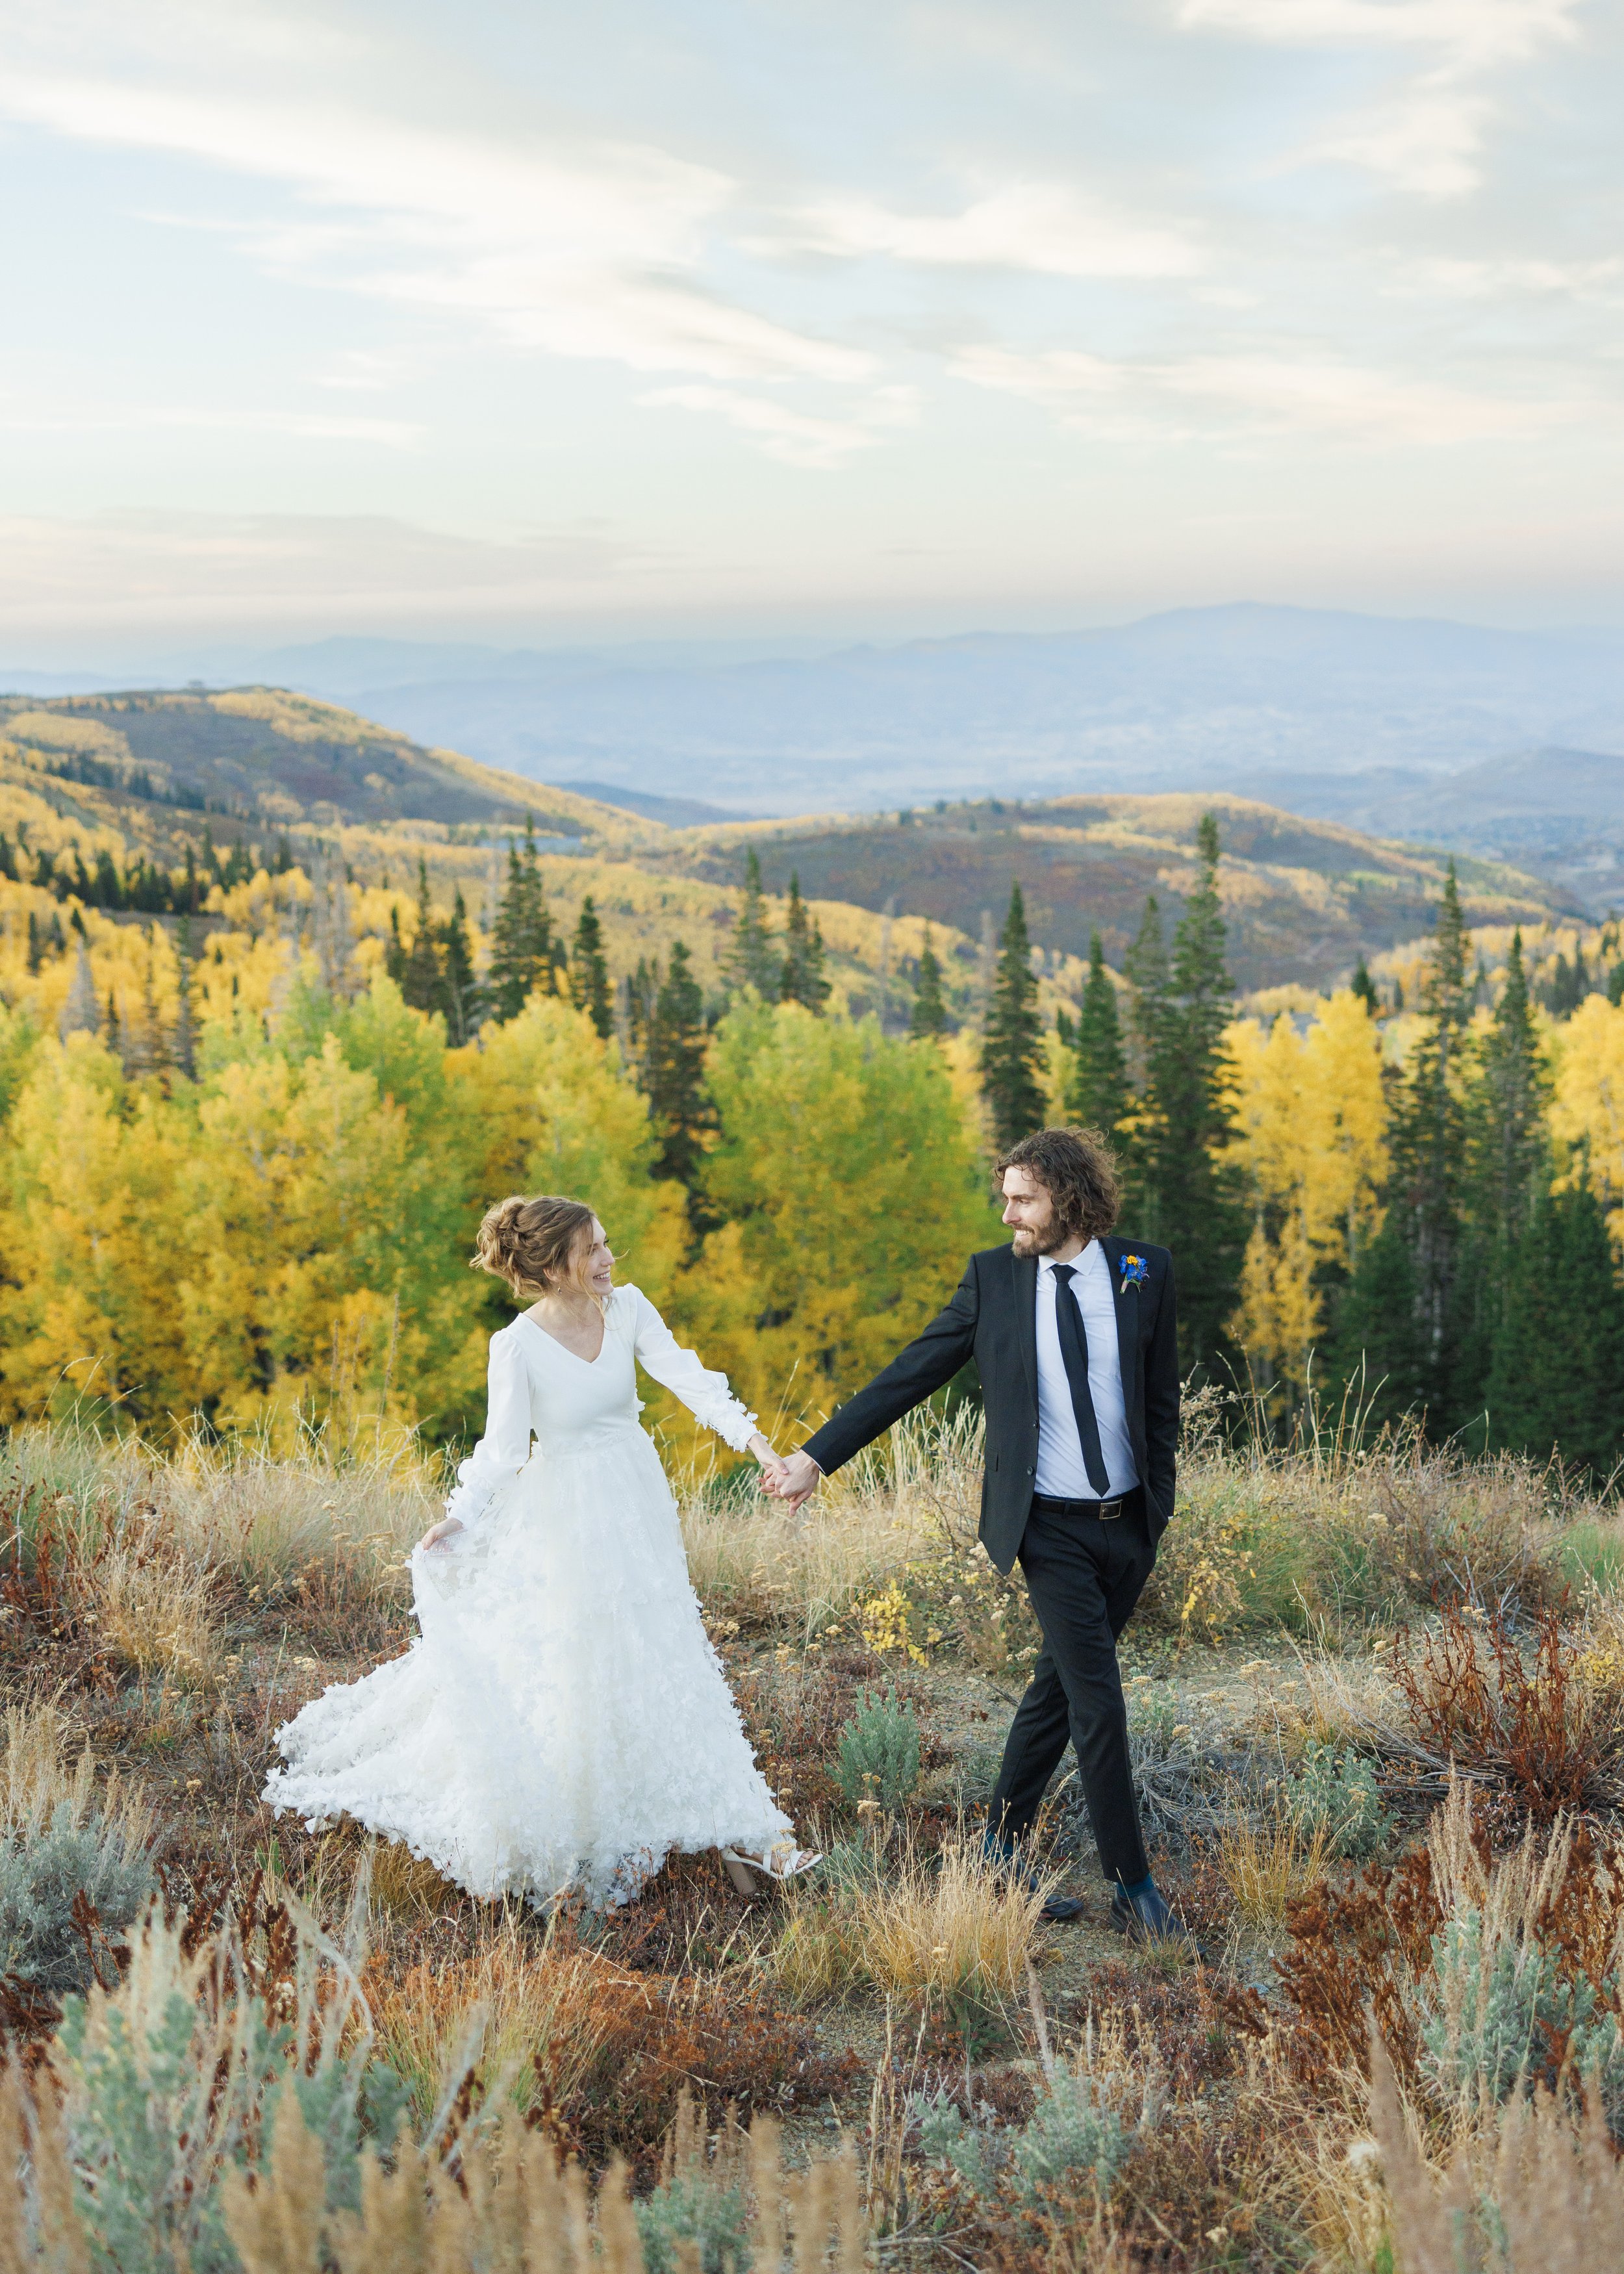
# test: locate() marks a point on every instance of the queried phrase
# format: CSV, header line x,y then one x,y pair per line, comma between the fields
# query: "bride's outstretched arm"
x,y
706,1394
501,1453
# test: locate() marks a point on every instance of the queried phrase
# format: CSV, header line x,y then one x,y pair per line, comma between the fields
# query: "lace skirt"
x,y
562,1721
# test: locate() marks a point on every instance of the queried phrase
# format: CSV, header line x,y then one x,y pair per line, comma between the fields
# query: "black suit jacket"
x,y
993,1318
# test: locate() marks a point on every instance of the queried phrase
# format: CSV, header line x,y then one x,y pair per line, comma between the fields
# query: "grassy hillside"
x,y
1303,898
146,777
263,759
1323,1789
149,774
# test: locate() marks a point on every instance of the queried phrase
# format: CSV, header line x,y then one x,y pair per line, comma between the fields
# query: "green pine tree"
x,y
589,990
1364,987
1098,1096
1507,1144
524,953
1424,1201
749,960
1507,1172
642,987
394,950
185,1018
802,978
422,980
929,1021
464,997
1198,1210
1378,1350
679,1107
1556,1380
1149,986
1012,1039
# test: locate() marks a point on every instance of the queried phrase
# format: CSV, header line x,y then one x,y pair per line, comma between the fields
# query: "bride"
x,y
561,1722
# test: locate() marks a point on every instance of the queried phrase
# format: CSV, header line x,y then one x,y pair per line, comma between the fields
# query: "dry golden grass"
x,y
1548,2190
951,1925
754,1564
253,1510
917,1491
508,2204
1265,1866
1330,1700
518,1995
154,1608
946,1925
35,1781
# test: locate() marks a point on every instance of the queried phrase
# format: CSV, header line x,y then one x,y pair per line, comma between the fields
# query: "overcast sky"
x,y
536,322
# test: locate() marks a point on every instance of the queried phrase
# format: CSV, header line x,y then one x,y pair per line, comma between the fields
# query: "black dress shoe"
x,y
1058,1910
1147,1918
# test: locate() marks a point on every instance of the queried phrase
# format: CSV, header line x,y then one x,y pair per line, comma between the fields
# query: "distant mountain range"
x,y
1447,734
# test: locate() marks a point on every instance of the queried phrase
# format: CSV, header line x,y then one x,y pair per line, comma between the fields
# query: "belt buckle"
x,y
1110,1509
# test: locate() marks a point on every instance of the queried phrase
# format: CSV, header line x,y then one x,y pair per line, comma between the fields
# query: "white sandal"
x,y
783,1861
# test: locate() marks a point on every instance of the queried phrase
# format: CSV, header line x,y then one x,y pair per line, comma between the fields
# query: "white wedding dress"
x,y
561,1722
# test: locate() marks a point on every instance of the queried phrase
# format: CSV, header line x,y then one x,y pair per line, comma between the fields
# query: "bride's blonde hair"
x,y
535,1245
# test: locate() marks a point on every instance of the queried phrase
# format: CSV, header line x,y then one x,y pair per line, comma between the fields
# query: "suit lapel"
x,y
1024,1270
1127,1302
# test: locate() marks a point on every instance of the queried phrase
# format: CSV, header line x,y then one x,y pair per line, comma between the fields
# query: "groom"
x,y
1073,1334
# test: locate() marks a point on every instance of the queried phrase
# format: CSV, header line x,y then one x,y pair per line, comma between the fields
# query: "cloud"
x,y
136,572
1045,228
798,438
302,425
1427,131
587,251
1216,395
1499,278
1476,31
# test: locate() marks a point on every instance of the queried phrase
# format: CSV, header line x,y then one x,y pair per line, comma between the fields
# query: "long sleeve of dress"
x,y
506,1445
706,1394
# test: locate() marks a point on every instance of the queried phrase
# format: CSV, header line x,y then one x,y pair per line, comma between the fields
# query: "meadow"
x,y
1377,1712
1376,1685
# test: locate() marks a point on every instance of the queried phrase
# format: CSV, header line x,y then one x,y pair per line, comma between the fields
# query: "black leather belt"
x,y
1106,1510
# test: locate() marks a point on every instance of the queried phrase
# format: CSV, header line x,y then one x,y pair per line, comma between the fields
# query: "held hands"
x,y
437,1534
771,1462
798,1478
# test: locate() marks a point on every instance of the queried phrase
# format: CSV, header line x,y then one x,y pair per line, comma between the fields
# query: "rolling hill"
x,y
1303,898
1234,698
150,773
261,756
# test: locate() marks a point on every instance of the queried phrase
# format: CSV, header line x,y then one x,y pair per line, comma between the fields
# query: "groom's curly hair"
x,y
1077,1169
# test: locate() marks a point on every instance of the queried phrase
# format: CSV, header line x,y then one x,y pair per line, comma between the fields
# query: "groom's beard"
x,y
1027,1242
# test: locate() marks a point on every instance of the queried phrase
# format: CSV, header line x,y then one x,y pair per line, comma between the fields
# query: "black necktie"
x,y
1074,1350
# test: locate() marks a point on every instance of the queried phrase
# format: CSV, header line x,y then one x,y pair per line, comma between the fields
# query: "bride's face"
x,y
600,1262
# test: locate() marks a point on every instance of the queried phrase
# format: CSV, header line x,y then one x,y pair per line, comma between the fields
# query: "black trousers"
x,y
1084,1577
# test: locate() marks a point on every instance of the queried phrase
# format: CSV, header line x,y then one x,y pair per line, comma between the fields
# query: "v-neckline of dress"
x,y
557,1344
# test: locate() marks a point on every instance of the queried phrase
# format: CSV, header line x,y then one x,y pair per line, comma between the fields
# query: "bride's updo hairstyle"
x,y
535,1246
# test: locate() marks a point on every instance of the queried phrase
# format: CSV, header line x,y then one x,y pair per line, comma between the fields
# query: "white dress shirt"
x,y
1061,1471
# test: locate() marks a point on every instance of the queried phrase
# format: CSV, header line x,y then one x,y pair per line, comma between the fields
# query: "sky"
x,y
539,324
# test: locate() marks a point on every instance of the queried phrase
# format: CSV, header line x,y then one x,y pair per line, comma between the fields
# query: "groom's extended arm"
x,y
933,1358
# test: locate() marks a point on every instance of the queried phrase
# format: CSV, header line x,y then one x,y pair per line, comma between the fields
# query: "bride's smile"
x,y
575,1319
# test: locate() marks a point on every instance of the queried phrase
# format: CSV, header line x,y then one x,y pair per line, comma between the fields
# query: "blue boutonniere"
x,y
1133,1269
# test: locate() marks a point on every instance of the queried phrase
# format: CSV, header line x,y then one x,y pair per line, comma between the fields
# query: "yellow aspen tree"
x,y
1587,1103
556,1113
854,1189
290,1290
1311,1121
86,1232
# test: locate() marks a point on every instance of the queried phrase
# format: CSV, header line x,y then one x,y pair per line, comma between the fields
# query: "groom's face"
x,y
1030,1213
